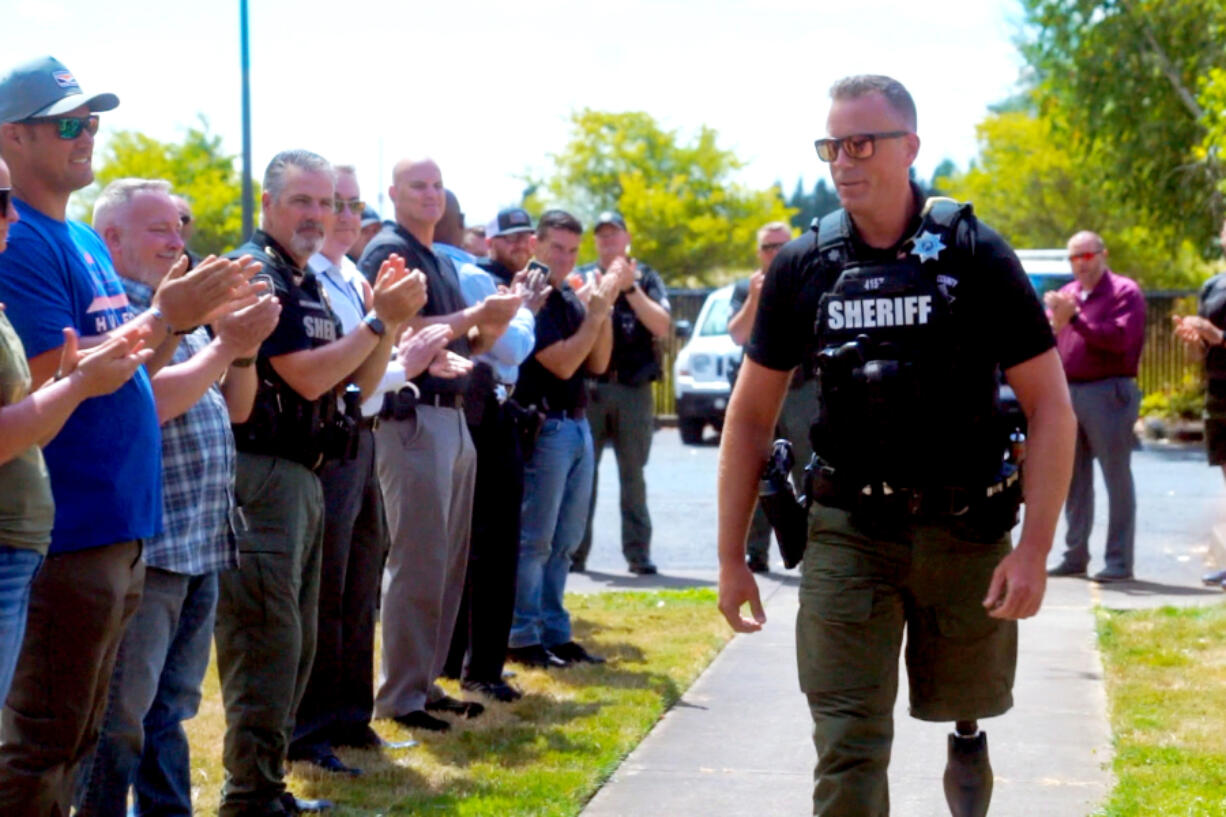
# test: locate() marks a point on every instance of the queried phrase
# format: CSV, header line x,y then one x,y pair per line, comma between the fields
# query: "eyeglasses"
x,y
6,195
68,127
1083,256
772,247
356,206
857,146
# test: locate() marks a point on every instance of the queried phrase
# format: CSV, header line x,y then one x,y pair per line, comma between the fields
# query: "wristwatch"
x,y
375,325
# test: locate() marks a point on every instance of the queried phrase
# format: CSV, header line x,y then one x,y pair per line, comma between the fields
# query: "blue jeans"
x,y
17,569
557,496
154,688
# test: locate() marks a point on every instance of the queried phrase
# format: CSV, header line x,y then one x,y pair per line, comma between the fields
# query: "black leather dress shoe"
x,y
332,763
535,656
301,805
498,690
465,709
573,653
1112,574
644,567
1214,579
420,719
1066,569
968,776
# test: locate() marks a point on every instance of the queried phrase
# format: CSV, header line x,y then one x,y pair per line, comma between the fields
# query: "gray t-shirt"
x,y
27,510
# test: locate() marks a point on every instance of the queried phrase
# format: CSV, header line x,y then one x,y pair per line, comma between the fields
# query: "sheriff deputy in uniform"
x,y
622,408
909,310
267,608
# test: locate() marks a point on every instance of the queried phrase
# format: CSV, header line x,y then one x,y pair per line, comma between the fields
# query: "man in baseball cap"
x,y
43,88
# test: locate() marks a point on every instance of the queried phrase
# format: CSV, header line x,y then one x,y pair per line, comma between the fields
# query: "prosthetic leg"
x,y
968,774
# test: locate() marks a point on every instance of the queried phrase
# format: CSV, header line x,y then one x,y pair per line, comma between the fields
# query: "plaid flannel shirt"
x,y
197,474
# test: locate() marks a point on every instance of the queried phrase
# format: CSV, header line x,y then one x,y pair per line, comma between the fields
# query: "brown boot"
x,y
968,776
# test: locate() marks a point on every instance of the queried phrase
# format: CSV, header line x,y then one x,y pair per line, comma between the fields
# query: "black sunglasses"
x,y
6,196
857,146
68,127
776,245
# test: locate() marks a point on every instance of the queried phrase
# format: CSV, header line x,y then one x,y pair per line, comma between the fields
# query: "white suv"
x,y
700,372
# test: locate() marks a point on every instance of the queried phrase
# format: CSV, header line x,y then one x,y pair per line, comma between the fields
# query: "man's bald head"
x,y
418,196
450,229
1087,255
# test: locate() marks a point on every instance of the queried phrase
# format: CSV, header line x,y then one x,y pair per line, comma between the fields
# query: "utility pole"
x,y
248,193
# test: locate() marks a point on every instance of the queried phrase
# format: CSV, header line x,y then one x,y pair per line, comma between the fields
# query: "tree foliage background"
x,y
1119,129
196,168
688,216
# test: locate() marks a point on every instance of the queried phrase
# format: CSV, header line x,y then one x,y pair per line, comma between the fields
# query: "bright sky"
x,y
485,87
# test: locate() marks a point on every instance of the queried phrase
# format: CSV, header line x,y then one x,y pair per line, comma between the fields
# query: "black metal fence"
x,y
1164,362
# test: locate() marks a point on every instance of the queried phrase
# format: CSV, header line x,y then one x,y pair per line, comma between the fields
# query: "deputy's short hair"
x,y
274,176
894,92
772,226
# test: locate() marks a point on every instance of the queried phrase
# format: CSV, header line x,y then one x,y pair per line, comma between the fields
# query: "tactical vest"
x,y
904,401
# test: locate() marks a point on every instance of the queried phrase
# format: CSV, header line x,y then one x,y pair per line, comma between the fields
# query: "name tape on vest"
x,y
871,313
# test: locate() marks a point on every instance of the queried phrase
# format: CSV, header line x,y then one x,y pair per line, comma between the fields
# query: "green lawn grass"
x,y
1166,683
544,755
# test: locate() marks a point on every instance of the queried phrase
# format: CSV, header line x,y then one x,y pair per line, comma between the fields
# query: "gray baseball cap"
x,y
44,87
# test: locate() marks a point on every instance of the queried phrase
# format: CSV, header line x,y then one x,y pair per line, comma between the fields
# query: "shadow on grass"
x,y
660,581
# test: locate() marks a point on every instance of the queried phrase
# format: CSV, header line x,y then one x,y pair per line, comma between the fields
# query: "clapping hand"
x,y
103,368
243,330
399,294
1063,307
426,348
216,286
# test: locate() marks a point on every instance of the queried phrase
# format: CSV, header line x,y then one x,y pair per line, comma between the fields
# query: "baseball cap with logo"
x,y
509,221
609,217
44,87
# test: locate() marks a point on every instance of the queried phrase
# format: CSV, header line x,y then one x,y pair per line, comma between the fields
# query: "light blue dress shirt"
x,y
517,342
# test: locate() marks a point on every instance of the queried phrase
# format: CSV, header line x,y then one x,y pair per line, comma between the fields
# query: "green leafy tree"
x,y
196,168
808,206
688,216
1036,192
1126,83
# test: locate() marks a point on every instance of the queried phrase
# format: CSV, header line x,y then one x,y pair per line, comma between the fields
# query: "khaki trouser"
x,y
80,603
856,597
266,620
427,466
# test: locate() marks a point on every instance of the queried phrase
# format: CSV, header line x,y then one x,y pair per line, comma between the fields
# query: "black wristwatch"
x,y
375,325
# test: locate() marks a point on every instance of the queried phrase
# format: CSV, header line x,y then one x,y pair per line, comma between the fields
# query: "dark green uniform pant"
x,y
857,595
624,416
267,613
798,412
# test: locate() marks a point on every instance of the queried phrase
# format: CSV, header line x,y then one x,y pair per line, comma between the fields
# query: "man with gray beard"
x,y
267,609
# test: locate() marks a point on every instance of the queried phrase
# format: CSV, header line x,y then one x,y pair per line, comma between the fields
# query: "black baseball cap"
x,y
509,221
610,217
369,216
44,87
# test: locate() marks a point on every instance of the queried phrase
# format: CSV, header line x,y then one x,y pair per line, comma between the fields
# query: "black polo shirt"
x,y
634,359
559,319
442,289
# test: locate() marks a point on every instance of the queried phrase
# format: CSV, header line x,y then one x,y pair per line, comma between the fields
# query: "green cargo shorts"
x,y
857,596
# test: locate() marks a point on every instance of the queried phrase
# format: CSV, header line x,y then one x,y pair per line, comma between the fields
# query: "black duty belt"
x,y
937,502
400,405
566,414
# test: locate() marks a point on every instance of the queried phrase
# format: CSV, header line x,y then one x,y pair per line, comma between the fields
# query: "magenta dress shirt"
x,y
1104,339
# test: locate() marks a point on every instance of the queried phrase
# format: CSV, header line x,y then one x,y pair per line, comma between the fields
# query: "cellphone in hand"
x,y
537,265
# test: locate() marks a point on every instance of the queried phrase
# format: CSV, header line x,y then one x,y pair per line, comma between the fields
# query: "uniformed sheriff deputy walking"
x,y
909,310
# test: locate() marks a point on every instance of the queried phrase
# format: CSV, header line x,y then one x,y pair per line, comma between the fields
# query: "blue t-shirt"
x,y
106,463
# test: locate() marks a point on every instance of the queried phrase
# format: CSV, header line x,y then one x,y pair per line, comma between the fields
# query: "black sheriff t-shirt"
x,y
994,302
1212,306
559,319
306,322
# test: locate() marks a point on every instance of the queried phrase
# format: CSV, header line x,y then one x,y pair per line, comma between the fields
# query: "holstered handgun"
x,y
787,514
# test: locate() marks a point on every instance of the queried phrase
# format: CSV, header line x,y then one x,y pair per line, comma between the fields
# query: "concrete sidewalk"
x,y
739,741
